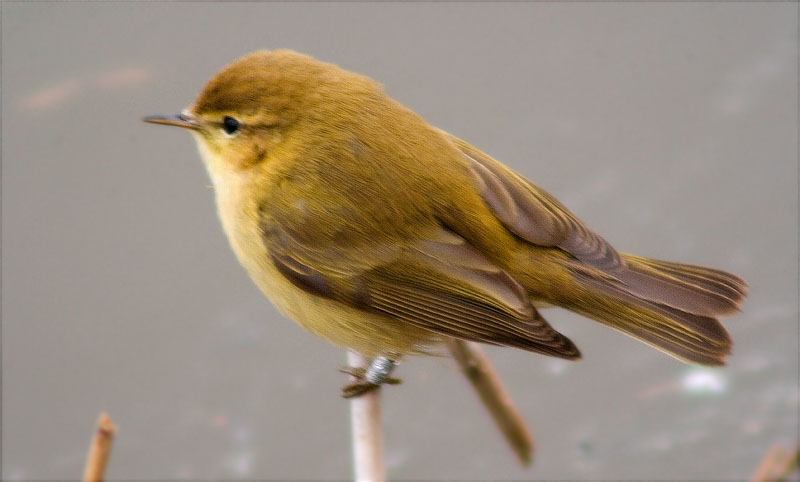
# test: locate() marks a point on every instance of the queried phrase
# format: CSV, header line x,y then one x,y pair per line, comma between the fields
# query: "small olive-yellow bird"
x,y
383,234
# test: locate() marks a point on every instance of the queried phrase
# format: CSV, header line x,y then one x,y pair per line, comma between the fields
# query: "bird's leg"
x,y
370,378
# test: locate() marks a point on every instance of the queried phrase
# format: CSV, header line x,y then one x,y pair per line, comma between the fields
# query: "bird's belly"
x,y
364,332
367,333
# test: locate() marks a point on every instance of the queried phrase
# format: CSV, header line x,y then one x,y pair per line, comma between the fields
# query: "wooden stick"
x,y
479,371
365,419
99,450
777,465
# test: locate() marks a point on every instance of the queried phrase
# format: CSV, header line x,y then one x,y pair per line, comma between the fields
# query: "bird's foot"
x,y
370,378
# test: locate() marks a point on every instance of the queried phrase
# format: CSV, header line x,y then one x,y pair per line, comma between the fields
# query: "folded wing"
x,y
438,283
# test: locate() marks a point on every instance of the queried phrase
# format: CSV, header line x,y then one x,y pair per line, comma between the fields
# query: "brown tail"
x,y
673,307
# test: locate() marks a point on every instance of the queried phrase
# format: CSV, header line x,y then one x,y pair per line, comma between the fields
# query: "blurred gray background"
x,y
670,128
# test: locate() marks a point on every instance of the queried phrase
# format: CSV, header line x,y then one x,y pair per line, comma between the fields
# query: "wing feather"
x,y
439,283
533,214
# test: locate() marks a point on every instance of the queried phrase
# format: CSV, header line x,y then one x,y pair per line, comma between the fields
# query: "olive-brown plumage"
x,y
381,233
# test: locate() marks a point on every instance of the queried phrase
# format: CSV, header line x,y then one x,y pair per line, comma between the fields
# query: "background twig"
x,y
479,372
99,449
365,419
777,465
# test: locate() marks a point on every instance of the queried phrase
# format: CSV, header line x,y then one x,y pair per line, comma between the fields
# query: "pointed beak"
x,y
183,119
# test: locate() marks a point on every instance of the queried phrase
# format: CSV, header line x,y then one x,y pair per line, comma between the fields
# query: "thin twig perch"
x,y
365,420
99,450
495,398
777,465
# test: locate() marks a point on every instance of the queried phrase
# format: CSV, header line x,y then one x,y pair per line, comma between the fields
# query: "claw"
x,y
355,372
369,379
356,389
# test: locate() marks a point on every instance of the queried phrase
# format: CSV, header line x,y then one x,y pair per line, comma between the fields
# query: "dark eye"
x,y
230,125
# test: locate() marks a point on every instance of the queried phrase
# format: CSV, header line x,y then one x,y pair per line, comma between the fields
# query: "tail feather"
x,y
720,283
693,289
670,306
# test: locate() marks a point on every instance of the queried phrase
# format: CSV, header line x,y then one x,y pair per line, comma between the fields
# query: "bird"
x,y
385,235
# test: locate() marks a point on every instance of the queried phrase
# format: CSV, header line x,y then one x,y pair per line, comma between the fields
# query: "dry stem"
x,y
365,419
495,398
777,465
99,449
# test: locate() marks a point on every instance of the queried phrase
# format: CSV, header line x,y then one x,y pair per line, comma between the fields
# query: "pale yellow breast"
x,y
367,333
